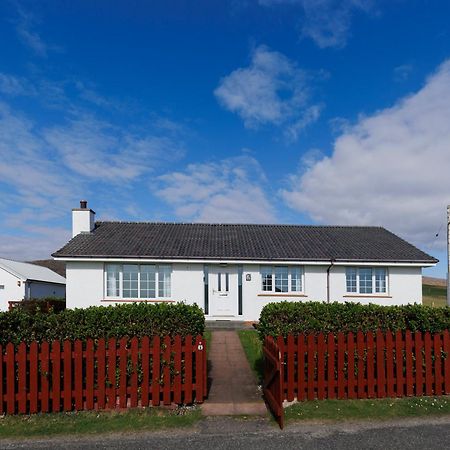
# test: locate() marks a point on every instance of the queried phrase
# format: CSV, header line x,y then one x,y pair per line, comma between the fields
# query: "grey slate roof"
x,y
242,242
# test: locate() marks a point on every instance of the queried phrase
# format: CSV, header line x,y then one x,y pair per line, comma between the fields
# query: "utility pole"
x,y
448,255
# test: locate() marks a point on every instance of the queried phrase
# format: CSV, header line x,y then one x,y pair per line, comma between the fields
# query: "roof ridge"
x,y
236,224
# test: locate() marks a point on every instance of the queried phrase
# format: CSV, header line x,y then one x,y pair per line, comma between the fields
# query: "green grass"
x,y
253,349
383,409
207,337
434,295
90,422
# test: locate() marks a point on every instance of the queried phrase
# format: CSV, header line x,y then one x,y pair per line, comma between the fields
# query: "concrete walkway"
x,y
233,388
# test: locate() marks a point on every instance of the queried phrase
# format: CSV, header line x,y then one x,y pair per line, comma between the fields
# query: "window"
x,y
366,280
380,280
112,280
133,281
266,273
282,279
351,274
2,286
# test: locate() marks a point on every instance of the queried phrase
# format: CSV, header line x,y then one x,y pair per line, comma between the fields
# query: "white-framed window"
x,y
138,281
282,279
366,280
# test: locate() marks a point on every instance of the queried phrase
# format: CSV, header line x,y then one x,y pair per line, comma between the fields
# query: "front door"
x,y
223,291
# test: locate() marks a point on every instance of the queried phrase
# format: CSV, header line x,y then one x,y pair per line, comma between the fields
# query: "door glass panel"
x,y
219,282
227,282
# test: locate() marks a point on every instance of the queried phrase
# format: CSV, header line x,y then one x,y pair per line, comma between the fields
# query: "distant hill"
x,y
57,266
434,281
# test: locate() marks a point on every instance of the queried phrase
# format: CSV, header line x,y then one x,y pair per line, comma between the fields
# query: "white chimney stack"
x,y
83,219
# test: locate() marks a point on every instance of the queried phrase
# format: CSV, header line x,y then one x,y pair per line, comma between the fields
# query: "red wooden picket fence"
x,y
365,365
71,375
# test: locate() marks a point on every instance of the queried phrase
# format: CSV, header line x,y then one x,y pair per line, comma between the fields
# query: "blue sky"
x,y
272,111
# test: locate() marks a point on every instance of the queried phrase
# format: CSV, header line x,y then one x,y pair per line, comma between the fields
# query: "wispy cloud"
x,y
229,190
390,168
271,90
402,72
326,22
27,33
94,148
12,86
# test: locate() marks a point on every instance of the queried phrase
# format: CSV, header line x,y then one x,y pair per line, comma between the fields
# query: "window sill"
x,y
136,300
277,294
367,296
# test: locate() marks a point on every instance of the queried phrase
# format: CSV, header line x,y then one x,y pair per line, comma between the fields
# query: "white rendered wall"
x,y
12,291
85,287
404,286
43,290
83,221
84,284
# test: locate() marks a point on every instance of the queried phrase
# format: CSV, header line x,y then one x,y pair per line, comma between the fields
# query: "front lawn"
x,y
382,409
89,422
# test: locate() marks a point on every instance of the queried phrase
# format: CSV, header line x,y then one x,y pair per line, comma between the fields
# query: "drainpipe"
x,y
328,279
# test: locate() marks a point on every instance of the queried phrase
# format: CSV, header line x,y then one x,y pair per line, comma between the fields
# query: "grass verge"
x,y
91,422
253,349
435,296
382,409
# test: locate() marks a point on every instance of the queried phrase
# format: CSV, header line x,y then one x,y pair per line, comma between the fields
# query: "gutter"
x,y
328,279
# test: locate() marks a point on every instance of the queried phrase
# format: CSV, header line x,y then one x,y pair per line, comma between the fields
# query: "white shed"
x,y
22,281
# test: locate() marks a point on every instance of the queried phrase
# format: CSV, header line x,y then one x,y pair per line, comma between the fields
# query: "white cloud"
x,y
230,190
390,168
403,72
97,149
326,22
27,34
271,90
11,85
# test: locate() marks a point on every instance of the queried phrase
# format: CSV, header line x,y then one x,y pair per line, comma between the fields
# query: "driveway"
x,y
232,433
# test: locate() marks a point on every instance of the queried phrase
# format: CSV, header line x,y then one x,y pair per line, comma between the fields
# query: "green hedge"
x,y
295,317
134,319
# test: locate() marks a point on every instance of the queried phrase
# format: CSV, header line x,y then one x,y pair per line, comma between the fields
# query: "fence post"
x,y
156,349
166,370
362,379
399,364
446,339
134,373
301,382
419,362
390,364
112,381
437,363
67,375
123,364
290,367
145,357
22,377
33,377
351,365
101,374
331,380
321,366
56,376
428,364
1,378
311,366
409,363
45,372
200,354
381,380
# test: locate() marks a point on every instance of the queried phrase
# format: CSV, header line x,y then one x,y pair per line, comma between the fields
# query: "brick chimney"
x,y
83,219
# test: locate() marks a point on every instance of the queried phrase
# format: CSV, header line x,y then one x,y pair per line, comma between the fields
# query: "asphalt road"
x,y
228,433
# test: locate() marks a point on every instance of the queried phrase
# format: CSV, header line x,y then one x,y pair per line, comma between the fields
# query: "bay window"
x,y
282,279
366,280
137,281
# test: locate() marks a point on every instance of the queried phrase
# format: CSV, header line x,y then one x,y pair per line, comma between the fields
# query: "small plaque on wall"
x,y
248,277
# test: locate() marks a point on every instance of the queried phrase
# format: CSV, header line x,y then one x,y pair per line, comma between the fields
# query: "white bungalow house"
x,y
23,281
233,270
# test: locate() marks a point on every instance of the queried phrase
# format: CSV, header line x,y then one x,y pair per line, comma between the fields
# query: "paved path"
x,y
234,389
262,434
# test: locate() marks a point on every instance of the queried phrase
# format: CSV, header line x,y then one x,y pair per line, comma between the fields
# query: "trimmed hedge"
x,y
42,304
281,319
133,319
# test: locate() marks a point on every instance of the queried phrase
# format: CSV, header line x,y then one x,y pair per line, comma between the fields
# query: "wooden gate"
x,y
273,379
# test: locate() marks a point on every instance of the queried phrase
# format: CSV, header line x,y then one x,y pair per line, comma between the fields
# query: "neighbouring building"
x,y
23,281
233,270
